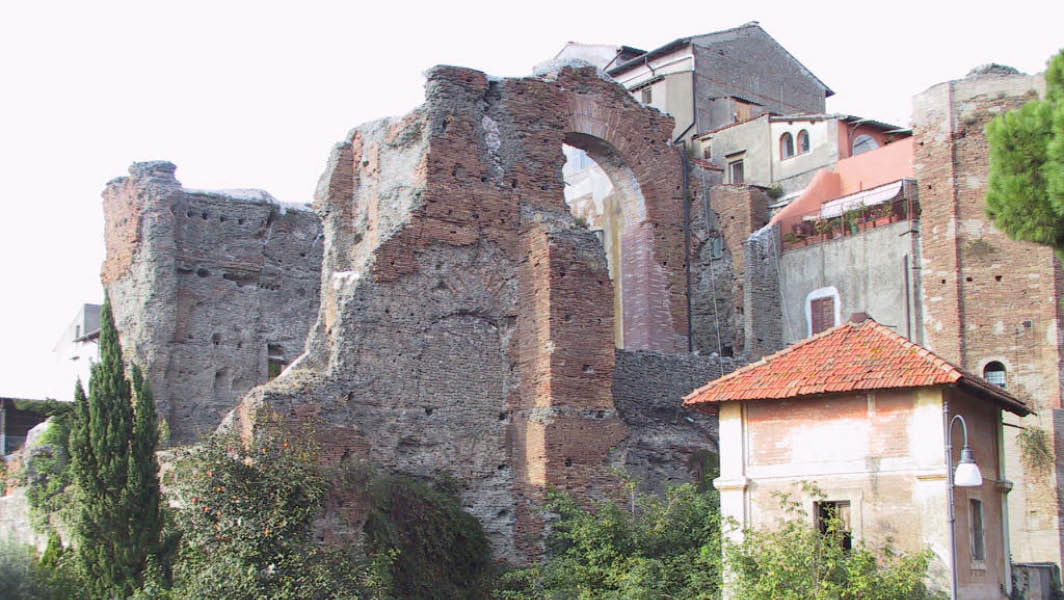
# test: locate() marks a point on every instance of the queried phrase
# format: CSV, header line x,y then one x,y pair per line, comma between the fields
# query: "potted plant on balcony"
x,y
882,212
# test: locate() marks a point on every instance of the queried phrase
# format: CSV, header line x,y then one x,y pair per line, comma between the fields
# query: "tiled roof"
x,y
852,357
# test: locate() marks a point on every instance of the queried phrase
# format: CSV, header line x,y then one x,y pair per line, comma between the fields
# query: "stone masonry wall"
x,y
719,228
987,297
667,443
466,318
204,287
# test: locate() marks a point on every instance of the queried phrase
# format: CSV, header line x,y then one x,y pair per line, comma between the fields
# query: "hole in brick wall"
x,y
567,318
483,179
204,215
202,272
943,281
240,221
190,336
502,416
588,370
513,184
600,414
568,462
189,214
428,410
240,344
223,219
997,277
501,467
300,291
302,255
967,278
216,339
502,513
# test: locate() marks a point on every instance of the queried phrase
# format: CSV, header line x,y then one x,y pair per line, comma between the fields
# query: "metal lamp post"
x,y
967,475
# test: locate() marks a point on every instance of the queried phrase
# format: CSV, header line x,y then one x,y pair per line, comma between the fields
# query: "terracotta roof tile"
x,y
851,357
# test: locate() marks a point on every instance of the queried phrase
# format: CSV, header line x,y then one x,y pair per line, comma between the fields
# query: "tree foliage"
x,y
1025,195
654,548
117,518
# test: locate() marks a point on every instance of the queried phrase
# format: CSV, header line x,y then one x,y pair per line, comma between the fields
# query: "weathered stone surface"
x,y
204,287
466,320
987,297
666,442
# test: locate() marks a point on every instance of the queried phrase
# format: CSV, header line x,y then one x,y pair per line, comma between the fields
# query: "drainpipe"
x,y
908,301
687,241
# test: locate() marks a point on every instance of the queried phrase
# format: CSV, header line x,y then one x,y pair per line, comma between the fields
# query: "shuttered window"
x,y
822,314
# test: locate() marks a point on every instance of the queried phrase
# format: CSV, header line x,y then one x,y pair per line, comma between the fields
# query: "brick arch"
x,y
644,238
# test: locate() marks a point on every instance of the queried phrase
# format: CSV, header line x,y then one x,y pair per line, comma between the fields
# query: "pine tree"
x,y
117,519
1025,195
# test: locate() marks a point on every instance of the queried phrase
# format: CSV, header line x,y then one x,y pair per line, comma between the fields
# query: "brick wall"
x,y
987,297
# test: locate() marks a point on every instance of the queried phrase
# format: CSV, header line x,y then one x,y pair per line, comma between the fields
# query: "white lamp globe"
x,y
967,474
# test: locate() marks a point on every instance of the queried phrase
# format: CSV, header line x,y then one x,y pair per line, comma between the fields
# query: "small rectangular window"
x,y
735,171
833,518
822,314
976,517
647,95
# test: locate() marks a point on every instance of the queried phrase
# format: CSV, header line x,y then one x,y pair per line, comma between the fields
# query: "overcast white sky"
x,y
254,94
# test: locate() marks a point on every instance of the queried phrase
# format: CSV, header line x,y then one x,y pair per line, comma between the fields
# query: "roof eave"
x,y
648,55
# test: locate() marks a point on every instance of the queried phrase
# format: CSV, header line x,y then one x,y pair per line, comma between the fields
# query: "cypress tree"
x,y
112,448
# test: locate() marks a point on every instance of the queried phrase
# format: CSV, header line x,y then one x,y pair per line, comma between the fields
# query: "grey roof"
x,y
707,40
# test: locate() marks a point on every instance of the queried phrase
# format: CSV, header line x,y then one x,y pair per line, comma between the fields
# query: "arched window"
x,y
786,146
864,143
803,141
994,372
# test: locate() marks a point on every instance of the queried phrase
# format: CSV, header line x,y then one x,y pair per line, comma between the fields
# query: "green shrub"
x,y
246,521
441,550
24,578
795,561
654,548
47,476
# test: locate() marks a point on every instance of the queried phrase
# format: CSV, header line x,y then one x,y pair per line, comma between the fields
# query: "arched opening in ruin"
x,y
602,192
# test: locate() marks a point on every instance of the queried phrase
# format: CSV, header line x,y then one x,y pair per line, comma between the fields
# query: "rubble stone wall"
x,y
204,287
667,443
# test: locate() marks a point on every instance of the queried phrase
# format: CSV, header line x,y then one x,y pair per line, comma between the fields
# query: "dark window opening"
x,y
864,143
735,170
786,146
647,95
994,372
822,314
275,362
833,519
976,514
803,141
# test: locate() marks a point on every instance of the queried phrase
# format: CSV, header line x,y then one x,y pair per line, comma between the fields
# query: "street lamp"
x,y
967,475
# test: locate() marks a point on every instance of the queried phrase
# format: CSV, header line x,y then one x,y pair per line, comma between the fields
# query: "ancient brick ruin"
x,y
468,323
207,288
